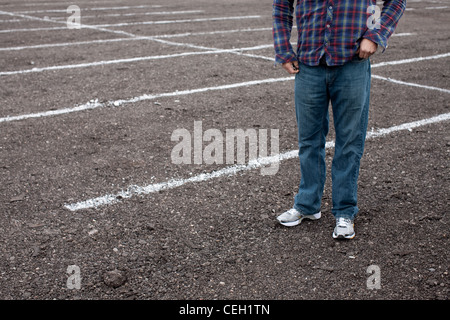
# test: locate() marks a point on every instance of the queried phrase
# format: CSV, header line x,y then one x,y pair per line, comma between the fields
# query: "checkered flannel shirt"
x,y
332,28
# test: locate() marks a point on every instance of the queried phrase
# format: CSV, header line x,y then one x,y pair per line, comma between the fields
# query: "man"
x,y
335,40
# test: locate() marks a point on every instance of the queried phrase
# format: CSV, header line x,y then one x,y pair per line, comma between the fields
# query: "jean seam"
x,y
361,138
319,159
359,143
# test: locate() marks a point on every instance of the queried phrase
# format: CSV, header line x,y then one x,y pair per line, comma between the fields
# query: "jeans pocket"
x,y
357,59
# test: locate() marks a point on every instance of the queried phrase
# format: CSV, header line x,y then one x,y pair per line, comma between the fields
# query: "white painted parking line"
x,y
63,23
427,8
129,60
90,9
136,38
94,105
210,51
436,8
161,36
75,43
39,4
410,84
135,190
39,29
402,61
404,34
123,24
155,13
12,20
102,26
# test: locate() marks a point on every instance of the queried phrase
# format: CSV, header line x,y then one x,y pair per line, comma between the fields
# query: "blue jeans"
x,y
347,87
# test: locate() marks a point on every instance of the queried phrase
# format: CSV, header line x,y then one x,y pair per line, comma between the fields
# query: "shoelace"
x,y
343,222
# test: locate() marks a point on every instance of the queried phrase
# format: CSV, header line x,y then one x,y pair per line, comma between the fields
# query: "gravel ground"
x,y
216,239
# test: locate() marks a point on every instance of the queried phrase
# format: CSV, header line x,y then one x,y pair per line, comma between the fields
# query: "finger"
x,y
361,53
291,70
364,54
289,67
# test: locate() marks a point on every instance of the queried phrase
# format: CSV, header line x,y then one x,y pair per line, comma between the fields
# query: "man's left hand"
x,y
366,48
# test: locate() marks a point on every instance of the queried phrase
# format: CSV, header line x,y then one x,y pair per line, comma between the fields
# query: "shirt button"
x,y
330,7
328,25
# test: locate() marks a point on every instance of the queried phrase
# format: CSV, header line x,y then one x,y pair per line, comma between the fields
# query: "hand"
x,y
366,48
291,67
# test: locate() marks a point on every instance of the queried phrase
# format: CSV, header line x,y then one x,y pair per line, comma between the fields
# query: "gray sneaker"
x,y
292,217
344,229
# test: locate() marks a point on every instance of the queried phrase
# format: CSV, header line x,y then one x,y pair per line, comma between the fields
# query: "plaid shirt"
x,y
333,28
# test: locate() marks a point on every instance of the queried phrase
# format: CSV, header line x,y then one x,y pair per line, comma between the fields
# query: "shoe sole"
x,y
315,216
343,236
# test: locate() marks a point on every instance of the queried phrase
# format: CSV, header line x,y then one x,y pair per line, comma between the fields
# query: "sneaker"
x,y
293,217
344,229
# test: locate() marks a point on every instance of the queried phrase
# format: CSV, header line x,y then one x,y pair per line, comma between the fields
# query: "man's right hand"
x,y
291,67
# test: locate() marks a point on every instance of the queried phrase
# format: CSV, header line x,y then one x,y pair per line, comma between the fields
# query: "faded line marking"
x,y
51,4
155,13
76,43
137,59
391,63
136,38
209,51
91,9
100,26
63,23
160,36
135,190
410,84
174,21
95,104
